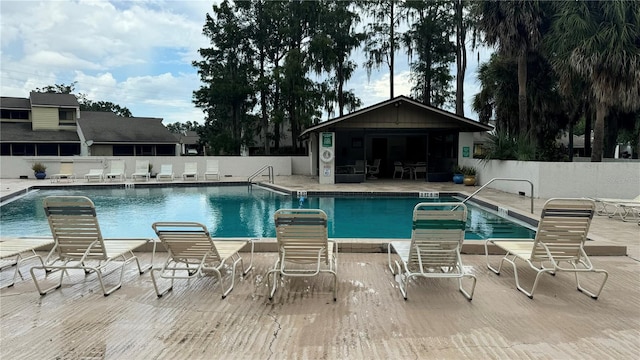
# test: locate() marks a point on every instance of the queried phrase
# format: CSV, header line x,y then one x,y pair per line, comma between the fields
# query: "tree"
x,y
382,40
331,46
180,127
86,104
462,23
600,40
514,27
228,73
428,40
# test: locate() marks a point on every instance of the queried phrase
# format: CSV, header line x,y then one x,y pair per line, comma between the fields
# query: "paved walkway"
x,y
370,320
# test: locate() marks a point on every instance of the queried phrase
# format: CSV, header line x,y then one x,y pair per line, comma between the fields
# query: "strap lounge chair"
x,y
303,247
190,171
94,174
212,170
166,173
560,238
611,206
192,253
142,171
434,249
79,244
14,252
116,170
66,172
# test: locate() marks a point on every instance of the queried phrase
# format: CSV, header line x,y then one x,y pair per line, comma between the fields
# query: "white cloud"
x,y
135,53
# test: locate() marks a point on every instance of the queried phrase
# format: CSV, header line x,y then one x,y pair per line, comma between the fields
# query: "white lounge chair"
x,y
79,244
434,249
116,170
191,253
94,174
612,206
190,171
303,247
212,170
14,252
562,231
166,173
141,171
66,172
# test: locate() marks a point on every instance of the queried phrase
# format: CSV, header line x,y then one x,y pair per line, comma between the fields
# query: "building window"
x,y
5,149
69,149
144,150
66,116
123,150
15,114
23,149
47,149
165,150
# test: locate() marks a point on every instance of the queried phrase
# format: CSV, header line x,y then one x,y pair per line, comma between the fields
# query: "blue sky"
x,y
138,54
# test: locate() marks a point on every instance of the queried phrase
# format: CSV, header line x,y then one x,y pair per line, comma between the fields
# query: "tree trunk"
x,y
598,132
391,52
263,105
461,58
588,117
522,94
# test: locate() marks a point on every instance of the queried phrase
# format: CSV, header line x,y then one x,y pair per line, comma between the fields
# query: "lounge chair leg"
x,y
594,296
468,295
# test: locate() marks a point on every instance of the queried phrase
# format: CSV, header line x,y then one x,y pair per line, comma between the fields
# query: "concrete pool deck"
x,y
370,320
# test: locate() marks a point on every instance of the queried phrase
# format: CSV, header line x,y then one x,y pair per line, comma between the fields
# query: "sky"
x,y
138,54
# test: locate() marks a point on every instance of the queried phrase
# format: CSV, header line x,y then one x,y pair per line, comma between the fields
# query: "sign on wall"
x,y
465,151
327,139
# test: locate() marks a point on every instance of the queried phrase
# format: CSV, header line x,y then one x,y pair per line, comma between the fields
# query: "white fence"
x,y
613,179
619,179
14,167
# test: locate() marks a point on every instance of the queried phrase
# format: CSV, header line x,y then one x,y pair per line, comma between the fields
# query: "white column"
x,y
326,152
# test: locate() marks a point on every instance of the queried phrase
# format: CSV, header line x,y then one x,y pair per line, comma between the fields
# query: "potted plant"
x,y
469,175
458,175
39,170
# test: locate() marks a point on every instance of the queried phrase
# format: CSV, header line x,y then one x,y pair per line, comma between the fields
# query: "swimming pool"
x,y
236,211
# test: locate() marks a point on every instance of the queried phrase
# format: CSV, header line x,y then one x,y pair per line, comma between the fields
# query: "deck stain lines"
x,y
195,323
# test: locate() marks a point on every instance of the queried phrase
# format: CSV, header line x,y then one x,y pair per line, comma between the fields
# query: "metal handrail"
x,y
504,179
259,172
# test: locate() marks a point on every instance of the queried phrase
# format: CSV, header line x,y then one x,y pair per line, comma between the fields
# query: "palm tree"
x,y
514,27
601,41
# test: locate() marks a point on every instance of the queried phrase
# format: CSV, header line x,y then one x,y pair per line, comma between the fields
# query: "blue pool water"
x,y
234,211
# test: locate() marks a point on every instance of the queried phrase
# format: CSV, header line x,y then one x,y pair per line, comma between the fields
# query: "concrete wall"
x,y
12,167
612,179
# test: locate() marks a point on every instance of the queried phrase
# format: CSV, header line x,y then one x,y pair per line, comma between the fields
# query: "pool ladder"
x,y
268,168
501,179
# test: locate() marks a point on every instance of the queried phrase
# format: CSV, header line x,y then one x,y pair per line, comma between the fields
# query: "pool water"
x,y
236,211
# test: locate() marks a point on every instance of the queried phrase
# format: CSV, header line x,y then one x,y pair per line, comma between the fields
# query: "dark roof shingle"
x,y
15,103
107,127
22,133
53,99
